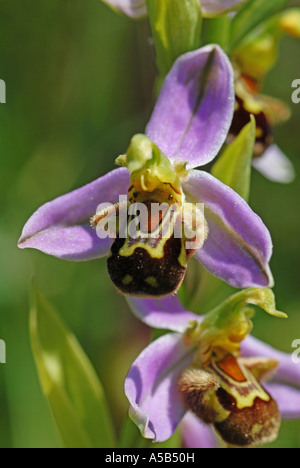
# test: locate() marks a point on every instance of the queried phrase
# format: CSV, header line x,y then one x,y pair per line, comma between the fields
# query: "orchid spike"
x,y
253,59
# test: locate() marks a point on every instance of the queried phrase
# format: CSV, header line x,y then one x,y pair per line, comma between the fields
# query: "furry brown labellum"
x,y
229,396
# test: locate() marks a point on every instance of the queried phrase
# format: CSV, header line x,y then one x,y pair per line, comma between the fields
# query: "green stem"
x,y
217,31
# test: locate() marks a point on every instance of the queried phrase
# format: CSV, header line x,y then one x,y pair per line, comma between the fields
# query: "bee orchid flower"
x,y
188,127
209,376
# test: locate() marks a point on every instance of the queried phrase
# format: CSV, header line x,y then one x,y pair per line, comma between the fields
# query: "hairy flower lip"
x,y
254,241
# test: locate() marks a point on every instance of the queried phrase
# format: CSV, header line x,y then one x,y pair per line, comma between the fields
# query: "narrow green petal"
x,y
68,380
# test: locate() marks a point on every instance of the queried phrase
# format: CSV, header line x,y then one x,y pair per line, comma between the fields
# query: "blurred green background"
x,y
79,85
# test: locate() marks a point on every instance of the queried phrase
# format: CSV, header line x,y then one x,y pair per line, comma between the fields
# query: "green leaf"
x,y
68,380
176,28
251,15
233,168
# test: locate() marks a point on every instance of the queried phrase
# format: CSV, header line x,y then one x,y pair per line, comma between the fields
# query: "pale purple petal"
x,y
151,387
167,313
238,247
195,434
194,111
287,398
288,371
62,227
132,8
216,7
275,166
